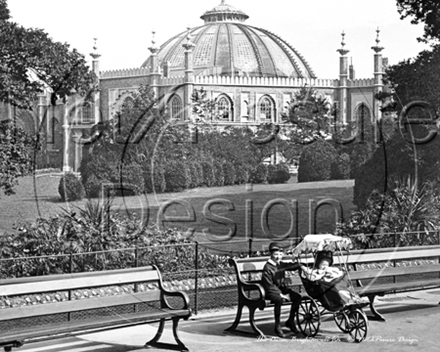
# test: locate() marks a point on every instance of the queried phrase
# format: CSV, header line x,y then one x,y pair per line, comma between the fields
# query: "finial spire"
x,y
153,39
95,53
377,48
189,44
343,51
153,48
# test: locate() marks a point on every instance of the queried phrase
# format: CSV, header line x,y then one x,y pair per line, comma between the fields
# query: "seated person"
x,y
327,273
273,280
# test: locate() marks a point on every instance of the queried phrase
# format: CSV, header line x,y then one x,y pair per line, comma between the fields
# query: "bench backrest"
x,y
249,269
65,282
77,281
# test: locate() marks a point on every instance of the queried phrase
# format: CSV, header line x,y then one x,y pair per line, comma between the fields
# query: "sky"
x,y
124,28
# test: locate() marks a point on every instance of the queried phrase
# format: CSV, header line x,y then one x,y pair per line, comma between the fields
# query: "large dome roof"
x,y
226,46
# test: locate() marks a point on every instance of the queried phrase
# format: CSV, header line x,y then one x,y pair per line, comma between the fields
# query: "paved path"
x,y
412,325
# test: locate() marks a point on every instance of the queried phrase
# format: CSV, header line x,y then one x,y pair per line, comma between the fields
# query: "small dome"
x,y
224,12
226,46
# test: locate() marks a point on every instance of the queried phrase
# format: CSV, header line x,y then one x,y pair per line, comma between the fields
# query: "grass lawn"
x,y
210,212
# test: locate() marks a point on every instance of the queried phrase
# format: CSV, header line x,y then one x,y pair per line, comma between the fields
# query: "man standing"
x,y
273,283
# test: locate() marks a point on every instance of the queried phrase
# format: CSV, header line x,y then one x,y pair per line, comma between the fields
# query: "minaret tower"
x,y
378,75
96,94
154,69
343,75
189,75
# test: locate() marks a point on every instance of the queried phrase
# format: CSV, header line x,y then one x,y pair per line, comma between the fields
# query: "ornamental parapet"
x,y
264,81
130,72
362,82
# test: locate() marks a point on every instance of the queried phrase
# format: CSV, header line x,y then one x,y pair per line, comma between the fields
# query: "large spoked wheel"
x,y
342,321
308,317
358,325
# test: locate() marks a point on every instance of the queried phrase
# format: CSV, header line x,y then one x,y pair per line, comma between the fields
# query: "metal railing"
x,y
199,268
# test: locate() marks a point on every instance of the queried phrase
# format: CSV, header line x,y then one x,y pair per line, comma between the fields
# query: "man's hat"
x,y
275,246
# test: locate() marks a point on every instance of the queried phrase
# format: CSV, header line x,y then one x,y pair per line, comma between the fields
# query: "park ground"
x,y
412,325
37,196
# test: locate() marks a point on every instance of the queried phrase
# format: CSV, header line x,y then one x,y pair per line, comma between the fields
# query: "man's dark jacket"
x,y
273,278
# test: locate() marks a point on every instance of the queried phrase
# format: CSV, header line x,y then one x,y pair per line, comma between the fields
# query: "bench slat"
x,y
395,287
72,281
78,305
68,328
393,255
398,271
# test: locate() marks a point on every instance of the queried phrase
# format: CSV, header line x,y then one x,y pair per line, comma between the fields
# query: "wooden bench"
x,y
251,293
83,304
403,277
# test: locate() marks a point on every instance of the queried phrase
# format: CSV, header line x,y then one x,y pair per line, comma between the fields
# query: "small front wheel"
x,y
358,325
308,317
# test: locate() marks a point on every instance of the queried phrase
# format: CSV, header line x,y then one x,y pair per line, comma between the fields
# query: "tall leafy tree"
x,y
418,78
31,61
16,155
309,117
422,11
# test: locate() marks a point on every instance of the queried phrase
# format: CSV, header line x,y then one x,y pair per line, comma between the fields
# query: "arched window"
x,y
266,108
128,103
87,113
363,121
176,108
224,108
51,130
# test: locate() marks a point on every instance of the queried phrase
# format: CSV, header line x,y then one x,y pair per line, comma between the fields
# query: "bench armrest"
x,y
164,293
181,294
246,286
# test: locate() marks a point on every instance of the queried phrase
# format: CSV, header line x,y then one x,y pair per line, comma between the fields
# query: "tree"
x,y
16,154
31,61
426,11
417,79
309,117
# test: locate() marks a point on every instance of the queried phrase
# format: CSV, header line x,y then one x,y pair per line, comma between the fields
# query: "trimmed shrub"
x,y
70,187
390,159
259,174
229,173
154,182
242,173
195,174
315,162
208,173
93,186
278,173
175,176
132,179
219,174
340,168
271,170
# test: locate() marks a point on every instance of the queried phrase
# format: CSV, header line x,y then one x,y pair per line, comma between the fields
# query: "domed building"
x,y
226,46
250,72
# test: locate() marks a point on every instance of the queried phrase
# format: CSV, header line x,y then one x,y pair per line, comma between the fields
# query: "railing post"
x,y
250,248
136,256
71,263
196,278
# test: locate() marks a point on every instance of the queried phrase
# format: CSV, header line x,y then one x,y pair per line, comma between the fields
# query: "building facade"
x,y
250,72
